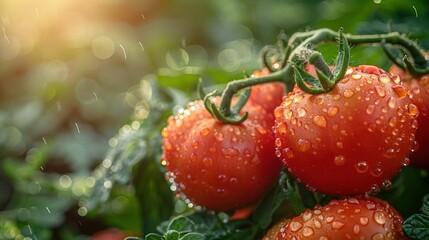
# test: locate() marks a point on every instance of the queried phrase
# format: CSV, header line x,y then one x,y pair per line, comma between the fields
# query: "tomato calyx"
x,y
326,79
416,67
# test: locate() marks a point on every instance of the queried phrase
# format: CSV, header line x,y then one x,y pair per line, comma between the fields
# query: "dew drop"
x,y
332,111
208,162
205,132
378,236
288,153
339,160
282,127
230,152
379,217
377,172
391,102
287,114
337,225
348,93
370,109
384,78
356,76
319,101
363,221
340,145
380,91
304,145
319,121
301,112
295,226
307,231
361,167
400,91
317,223
356,229
329,219
412,110
406,162
307,215
387,184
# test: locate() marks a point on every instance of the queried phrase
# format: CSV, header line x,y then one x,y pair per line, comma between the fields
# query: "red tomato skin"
x,y
110,234
220,166
351,218
267,95
419,88
350,140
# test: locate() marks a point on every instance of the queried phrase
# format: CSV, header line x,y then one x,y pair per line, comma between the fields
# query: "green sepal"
x,y
394,55
241,101
343,58
301,77
413,70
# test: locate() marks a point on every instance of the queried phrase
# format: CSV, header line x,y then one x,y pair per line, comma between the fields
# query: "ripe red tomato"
x,y
267,95
352,218
220,166
419,88
350,140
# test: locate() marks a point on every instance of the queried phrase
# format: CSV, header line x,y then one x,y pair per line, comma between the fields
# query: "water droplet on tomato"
x,y
348,93
380,91
319,101
406,162
356,229
278,142
377,172
412,109
287,114
288,153
221,191
301,111
208,162
384,78
205,132
319,121
295,226
337,225
356,76
387,184
230,152
391,102
329,219
339,160
219,137
370,109
363,221
306,215
379,217
297,98
304,144
400,91
361,167
255,161
378,236
282,127
278,112
332,111
307,231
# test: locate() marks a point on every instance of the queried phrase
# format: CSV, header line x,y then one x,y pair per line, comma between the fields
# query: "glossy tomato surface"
x,y
352,139
352,218
267,95
419,87
220,166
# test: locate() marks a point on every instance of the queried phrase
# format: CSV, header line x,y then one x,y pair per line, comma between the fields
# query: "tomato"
x,y
350,140
419,88
267,95
352,218
220,166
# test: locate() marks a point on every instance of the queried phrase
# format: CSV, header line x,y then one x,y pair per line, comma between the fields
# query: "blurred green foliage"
x,y
73,72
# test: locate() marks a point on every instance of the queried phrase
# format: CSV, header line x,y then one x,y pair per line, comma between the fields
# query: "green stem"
x,y
234,86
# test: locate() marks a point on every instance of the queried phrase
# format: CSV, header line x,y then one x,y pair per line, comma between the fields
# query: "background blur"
x,y
71,75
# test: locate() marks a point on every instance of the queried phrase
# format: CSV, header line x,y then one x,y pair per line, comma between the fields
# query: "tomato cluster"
x,y
349,140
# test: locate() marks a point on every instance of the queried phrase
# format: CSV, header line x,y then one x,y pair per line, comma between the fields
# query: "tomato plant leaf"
x,y
263,214
151,236
192,236
417,226
180,223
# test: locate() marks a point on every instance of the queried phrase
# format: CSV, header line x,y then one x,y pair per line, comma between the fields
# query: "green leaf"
x,y
151,236
263,214
193,236
180,223
417,226
172,235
